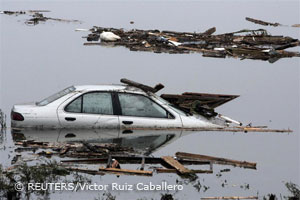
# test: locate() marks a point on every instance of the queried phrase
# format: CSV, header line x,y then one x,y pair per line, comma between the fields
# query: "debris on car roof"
x,y
199,103
143,87
244,44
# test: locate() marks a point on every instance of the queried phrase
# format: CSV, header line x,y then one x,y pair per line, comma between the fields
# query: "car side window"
x,y
97,103
75,106
140,106
93,103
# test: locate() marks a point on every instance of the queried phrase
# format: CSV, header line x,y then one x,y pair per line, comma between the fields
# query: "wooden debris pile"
x,y
112,157
244,44
170,164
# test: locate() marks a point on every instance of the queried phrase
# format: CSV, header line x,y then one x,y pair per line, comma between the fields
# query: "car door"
x,y
139,111
89,110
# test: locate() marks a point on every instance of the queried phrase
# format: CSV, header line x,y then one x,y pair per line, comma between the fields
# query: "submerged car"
x,y
107,106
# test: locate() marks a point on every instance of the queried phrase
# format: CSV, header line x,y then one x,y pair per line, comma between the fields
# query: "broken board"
x,y
223,161
177,165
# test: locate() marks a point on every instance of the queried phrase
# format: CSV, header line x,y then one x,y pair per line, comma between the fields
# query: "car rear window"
x,y
56,96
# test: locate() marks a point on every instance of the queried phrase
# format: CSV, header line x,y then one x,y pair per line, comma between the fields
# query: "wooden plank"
x,y
177,165
126,171
217,160
143,87
196,171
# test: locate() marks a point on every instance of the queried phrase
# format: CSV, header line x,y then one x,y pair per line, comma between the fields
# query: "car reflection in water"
x,y
142,141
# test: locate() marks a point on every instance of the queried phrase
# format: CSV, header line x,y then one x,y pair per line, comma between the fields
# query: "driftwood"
x,y
143,87
244,44
257,21
216,160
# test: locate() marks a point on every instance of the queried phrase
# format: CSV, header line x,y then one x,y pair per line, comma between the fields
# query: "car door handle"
x,y
70,118
127,122
127,132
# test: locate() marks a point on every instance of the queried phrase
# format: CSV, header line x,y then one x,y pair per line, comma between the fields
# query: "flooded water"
x,y
37,61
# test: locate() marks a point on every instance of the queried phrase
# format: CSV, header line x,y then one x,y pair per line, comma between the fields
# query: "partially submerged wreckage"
x,y
128,107
243,44
112,156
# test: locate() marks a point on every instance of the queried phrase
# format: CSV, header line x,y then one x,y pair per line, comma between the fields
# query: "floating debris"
x,y
113,157
22,12
294,189
264,23
256,21
243,44
37,16
216,160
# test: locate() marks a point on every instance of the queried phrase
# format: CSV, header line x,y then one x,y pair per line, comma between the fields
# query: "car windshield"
x,y
56,96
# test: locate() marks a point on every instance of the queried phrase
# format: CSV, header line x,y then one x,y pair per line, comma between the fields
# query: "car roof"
x,y
111,87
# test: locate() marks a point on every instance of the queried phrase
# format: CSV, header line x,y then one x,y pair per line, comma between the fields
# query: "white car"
x,y
106,106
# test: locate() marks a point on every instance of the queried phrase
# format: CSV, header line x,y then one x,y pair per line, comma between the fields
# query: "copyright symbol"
x,y
19,186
